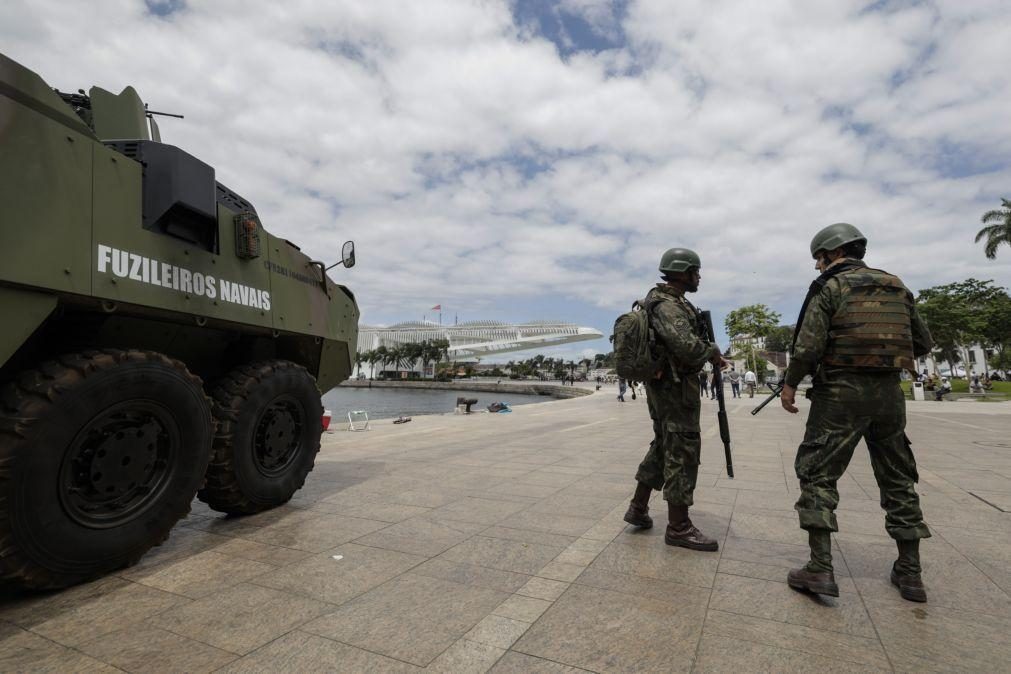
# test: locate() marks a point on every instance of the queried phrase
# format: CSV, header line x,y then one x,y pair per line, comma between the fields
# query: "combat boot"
x,y
816,576
818,582
638,509
906,572
682,533
910,587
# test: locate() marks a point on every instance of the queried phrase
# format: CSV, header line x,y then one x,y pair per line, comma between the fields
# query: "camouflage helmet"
x,y
835,236
679,259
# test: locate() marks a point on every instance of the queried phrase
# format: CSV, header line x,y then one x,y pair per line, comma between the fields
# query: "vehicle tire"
x,y
269,425
101,453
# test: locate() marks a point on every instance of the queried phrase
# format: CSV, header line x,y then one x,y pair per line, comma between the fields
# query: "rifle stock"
x,y
721,415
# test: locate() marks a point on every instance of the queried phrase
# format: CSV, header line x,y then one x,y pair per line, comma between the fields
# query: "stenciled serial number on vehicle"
x,y
290,273
124,264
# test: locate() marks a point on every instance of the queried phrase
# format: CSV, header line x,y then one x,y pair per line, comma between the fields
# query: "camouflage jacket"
x,y
814,330
675,322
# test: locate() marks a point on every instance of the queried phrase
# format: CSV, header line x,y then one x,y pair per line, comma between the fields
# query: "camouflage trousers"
x,y
845,407
671,464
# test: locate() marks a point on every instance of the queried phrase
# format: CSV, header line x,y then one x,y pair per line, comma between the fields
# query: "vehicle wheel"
x,y
101,453
269,425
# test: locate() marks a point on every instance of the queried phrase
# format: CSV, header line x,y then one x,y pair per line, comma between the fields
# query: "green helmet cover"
x,y
834,236
679,259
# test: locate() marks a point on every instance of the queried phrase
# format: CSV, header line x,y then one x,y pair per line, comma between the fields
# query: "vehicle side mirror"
x,y
348,254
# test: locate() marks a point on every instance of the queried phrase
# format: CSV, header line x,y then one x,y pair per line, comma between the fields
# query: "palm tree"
x,y
997,230
382,357
372,357
359,359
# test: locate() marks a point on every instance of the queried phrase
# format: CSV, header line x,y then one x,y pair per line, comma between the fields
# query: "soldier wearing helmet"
x,y
671,464
858,329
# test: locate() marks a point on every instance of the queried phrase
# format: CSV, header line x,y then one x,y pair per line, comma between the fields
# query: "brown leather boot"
x,y
910,587
638,510
818,582
682,533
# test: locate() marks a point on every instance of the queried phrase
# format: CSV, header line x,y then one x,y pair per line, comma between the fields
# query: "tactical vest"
x,y
872,327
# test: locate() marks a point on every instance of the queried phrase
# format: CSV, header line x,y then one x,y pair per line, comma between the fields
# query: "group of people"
x,y
856,395
707,383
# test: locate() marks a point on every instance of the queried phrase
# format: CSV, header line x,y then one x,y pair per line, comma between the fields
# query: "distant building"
x,y
473,340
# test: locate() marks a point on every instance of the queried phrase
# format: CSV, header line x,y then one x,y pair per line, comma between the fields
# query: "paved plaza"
x,y
495,542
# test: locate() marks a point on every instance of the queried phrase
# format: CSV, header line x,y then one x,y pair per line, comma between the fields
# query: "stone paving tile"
x,y
86,612
301,652
316,534
497,553
720,654
383,512
833,645
522,608
777,601
261,552
241,618
149,649
934,638
182,542
566,525
466,657
411,618
520,663
22,651
498,631
528,536
478,510
543,588
471,574
203,574
336,580
613,640
660,561
421,535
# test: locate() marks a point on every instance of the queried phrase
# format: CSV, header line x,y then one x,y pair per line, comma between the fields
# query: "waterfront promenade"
x,y
495,542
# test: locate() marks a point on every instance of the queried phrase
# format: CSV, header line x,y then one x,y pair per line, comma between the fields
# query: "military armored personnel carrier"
x,y
156,342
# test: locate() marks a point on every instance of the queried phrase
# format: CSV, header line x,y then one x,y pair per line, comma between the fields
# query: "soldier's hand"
x,y
788,397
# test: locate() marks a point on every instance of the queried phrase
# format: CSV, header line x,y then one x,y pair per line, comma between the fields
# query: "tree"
x,y
359,359
372,357
960,314
754,320
997,230
779,339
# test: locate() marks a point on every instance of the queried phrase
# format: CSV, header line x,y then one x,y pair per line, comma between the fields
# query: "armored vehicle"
x,y
156,342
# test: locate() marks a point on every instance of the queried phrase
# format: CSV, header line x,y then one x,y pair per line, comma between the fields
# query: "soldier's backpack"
x,y
633,338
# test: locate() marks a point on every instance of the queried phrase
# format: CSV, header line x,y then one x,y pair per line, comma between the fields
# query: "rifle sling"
x,y
815,288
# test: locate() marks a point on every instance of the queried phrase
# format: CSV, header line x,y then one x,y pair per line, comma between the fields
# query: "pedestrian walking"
x,y
703,383
735,382
856,395
712,386
750,383
622,387
671,464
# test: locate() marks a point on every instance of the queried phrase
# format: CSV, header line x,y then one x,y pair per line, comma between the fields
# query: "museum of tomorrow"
x,y
477,339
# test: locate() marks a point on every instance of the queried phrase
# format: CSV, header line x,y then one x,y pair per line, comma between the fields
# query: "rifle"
x,y
721,415
776,388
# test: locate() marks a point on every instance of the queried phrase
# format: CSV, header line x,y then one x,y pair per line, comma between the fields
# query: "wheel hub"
x,y
278,435
118,463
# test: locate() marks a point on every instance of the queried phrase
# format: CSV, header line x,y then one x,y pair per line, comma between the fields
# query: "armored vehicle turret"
x,y
156,342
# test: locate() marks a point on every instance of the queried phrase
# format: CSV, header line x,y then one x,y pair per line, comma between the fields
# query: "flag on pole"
x,y
437,307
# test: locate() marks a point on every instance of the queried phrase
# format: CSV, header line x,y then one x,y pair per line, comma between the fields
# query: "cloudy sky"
x,y
525,159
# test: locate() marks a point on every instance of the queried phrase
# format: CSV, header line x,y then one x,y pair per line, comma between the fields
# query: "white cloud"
x,y
476,167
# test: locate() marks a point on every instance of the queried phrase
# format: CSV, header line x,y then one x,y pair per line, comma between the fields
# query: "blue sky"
x,y
517,160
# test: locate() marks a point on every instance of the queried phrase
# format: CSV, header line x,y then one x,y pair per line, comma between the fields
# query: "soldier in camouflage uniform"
x,y
671,464
857,330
